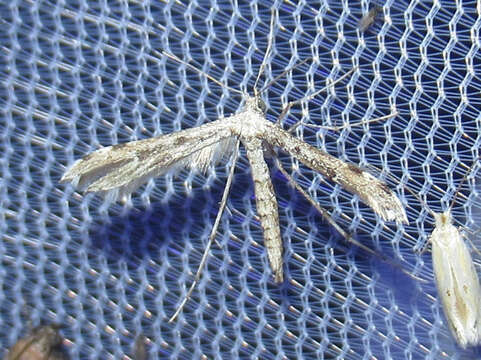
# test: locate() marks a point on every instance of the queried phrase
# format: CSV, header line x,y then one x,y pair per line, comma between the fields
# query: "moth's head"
x,y
443,219
255,103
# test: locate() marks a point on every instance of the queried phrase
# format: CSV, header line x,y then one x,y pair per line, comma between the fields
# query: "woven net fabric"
x,y
79,75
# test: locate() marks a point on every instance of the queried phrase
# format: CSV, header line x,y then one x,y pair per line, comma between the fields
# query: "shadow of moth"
x,y
120,169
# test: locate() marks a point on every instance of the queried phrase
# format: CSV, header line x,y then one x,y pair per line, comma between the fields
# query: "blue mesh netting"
x,y
79,75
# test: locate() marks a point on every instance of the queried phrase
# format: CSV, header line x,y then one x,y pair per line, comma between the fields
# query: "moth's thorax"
x,y
255,104
443,219
251,121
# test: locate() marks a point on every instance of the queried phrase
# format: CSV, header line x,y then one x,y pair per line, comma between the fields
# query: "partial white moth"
x,y
455,276
123,168
457,281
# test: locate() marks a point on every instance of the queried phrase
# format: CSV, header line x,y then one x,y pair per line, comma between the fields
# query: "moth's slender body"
x,y
457,281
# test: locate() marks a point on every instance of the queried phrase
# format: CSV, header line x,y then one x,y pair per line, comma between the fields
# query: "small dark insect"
x,y
140,350
43,343
368,19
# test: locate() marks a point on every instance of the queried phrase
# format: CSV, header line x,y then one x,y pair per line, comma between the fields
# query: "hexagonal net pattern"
x,y
76,76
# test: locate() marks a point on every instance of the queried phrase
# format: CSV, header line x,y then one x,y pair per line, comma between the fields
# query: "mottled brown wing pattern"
x,y
371,190
123,168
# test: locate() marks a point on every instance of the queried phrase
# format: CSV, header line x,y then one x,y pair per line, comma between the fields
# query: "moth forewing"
x,y
371,190
457,281
125,167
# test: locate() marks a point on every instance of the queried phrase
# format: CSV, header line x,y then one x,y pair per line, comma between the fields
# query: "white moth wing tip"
x,y
397,211
457,282
380,197
71,173
82,166
66,177
390,209
75,181
398,215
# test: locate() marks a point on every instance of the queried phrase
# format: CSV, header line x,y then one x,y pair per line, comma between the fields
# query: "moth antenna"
x,y
268,51
465,177
340,127
203,73
309,97
273,81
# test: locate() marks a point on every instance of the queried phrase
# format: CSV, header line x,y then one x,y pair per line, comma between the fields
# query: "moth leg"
x,y
290,104
340,127
213,233
327,217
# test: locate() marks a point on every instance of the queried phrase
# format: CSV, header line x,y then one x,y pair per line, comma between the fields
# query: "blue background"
x,y
75,76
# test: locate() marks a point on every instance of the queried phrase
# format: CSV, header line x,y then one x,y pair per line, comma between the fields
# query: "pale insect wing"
x,y
366,21
468,286
443,276
210,155
126,166
371,190
457,283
